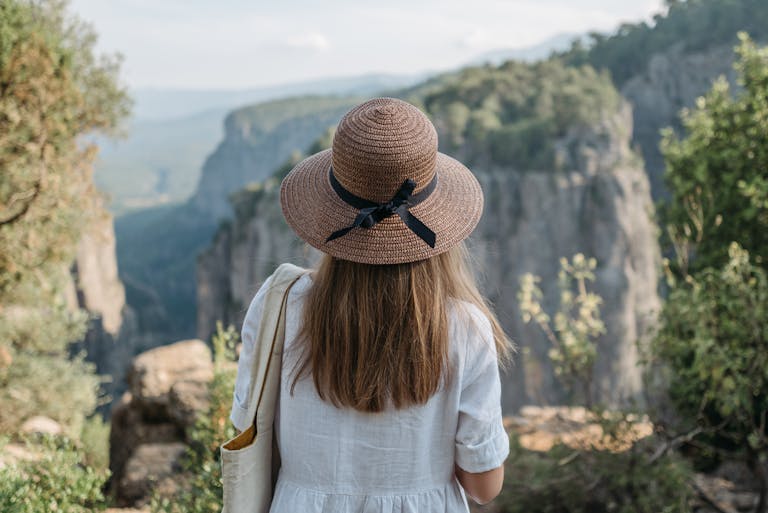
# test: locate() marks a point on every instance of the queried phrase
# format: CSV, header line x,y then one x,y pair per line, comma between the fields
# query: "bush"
x,y
94,440
58,481
718,171
567,480
713,340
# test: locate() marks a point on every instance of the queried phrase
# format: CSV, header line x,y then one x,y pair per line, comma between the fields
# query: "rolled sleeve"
x,y
241,396
482,443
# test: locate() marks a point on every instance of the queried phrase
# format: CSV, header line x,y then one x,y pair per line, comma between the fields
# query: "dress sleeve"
x,y
240,397
481,442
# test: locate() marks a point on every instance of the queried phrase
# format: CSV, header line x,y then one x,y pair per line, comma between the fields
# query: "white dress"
x,y
343,461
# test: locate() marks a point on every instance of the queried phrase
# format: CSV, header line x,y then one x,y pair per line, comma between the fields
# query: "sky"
x,y
237,44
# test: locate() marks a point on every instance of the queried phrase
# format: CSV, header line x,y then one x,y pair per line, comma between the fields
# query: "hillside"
x,y
663,67
157,247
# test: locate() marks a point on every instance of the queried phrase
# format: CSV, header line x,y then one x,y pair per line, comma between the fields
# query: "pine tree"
x,y
54,92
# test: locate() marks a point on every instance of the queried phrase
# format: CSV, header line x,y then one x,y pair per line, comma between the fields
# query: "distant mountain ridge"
x,y
173,131
167,104
557,43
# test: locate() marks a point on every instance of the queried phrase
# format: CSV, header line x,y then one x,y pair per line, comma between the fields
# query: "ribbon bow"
x,y
371,212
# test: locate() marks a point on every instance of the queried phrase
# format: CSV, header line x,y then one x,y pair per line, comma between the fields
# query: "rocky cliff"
x,y
168,387
672,80
600,206
96,288
257,139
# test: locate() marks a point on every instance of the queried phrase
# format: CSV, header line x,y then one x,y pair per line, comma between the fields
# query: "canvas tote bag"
x,y
248,467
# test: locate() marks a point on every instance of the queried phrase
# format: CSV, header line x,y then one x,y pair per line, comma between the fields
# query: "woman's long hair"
x,y
375,333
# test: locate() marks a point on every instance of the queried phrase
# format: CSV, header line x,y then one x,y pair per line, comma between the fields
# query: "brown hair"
x,y
373,333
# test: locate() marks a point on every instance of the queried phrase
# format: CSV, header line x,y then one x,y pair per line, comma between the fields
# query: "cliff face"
x,y
672,80
96,288
157,248
601,206
243,253
257,140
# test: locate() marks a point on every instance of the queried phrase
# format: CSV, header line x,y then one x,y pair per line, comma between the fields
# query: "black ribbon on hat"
x,y
371,212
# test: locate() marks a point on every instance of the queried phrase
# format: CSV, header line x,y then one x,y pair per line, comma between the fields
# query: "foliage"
x,y
713,338
577,322
202,491
718,173
694,25
614,472
54,91
57,480
94,442
567,480
265,117
511,114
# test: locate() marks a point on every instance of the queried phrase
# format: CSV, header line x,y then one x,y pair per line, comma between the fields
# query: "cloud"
x,y
312,41
478,38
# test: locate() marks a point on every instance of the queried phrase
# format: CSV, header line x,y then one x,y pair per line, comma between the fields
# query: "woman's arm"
x,y
482,487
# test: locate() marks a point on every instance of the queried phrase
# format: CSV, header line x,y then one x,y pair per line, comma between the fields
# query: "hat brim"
x,y
314,211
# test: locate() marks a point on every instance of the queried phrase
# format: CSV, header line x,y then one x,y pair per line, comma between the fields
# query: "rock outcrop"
x,y
672,80
168,386
600,207
257,140
96,288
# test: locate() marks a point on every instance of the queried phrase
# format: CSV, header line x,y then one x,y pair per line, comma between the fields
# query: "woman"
x,y
390,396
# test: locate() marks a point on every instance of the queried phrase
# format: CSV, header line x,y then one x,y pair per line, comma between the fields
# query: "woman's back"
x,y
390,396
343,460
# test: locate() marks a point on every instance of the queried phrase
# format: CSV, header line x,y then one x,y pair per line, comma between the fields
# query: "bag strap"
x,y
269,342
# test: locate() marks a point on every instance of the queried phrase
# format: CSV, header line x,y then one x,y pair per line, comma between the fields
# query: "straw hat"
x,y
382,194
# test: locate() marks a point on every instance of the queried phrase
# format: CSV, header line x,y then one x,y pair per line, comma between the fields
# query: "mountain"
x,y
537,52
257,140
556,143
172,132
663,67
165,104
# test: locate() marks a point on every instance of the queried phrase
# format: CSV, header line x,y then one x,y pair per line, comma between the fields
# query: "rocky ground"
x,y
168,385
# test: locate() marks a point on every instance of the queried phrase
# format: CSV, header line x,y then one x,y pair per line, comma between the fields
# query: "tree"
x,y
713,338
718,173
713,330
577,323
54,91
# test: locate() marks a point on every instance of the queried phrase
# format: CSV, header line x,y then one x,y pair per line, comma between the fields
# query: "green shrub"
x,y
567,480
94,440
717,171
510,114
58,481
55,90
577,323
713,342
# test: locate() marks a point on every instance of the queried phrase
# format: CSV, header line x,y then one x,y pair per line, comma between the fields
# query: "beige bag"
x,y
248,467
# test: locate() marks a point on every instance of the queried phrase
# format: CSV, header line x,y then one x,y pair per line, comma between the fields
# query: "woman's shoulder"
x,y
470,318
257,301
471,333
